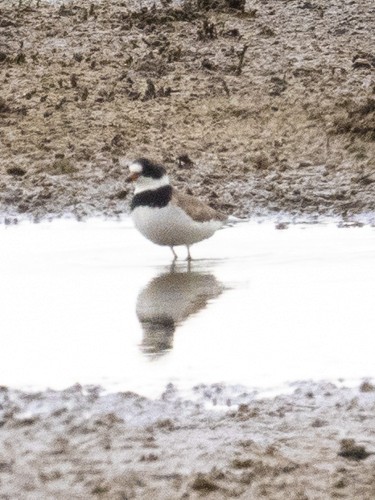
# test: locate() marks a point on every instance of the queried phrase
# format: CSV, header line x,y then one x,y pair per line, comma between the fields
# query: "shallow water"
x,y
96,303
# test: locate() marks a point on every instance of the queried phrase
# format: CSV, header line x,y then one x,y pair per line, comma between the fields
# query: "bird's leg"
x,y
189,258
174,254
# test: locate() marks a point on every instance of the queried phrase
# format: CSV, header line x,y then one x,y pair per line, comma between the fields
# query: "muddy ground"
x,y
273,102
317,443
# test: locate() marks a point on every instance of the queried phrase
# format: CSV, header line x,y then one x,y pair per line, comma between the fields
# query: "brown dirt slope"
x,y
274,102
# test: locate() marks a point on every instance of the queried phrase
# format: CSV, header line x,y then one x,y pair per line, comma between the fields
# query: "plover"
x,y
166,216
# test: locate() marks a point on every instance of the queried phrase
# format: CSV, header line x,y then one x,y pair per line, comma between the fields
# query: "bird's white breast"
x,y
171,226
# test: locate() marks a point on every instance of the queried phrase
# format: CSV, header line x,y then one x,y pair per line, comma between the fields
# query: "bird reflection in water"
x,y
167,301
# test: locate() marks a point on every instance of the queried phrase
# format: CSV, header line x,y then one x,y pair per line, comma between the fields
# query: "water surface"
x,y
95,303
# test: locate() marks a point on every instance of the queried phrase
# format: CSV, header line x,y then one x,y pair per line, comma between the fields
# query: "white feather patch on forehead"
x,y
135,168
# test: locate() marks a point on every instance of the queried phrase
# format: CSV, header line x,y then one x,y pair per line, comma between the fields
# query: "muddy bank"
x,y
272,101
316,443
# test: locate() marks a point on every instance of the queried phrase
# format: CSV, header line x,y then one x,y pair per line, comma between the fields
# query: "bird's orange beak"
x,y
132,177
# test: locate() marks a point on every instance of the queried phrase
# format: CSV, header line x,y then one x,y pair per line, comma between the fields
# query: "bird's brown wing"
x,y
196,209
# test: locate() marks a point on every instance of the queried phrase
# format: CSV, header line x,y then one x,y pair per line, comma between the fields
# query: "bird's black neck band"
x,y
156,198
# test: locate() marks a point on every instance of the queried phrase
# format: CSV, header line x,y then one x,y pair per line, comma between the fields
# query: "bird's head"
x,y
147,175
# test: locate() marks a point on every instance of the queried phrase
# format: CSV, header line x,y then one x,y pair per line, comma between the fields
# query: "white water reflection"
x,y
168,300
258,307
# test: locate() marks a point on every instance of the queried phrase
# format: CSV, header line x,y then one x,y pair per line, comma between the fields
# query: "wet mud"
x,y
315,443
257,107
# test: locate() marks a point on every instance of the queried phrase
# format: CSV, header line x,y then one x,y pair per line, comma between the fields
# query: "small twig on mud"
x,y
365,178
150,92
73,80
225,87
208,31
241,56
328,147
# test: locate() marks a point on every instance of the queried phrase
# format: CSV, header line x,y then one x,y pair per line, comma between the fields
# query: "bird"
x,y
165,215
